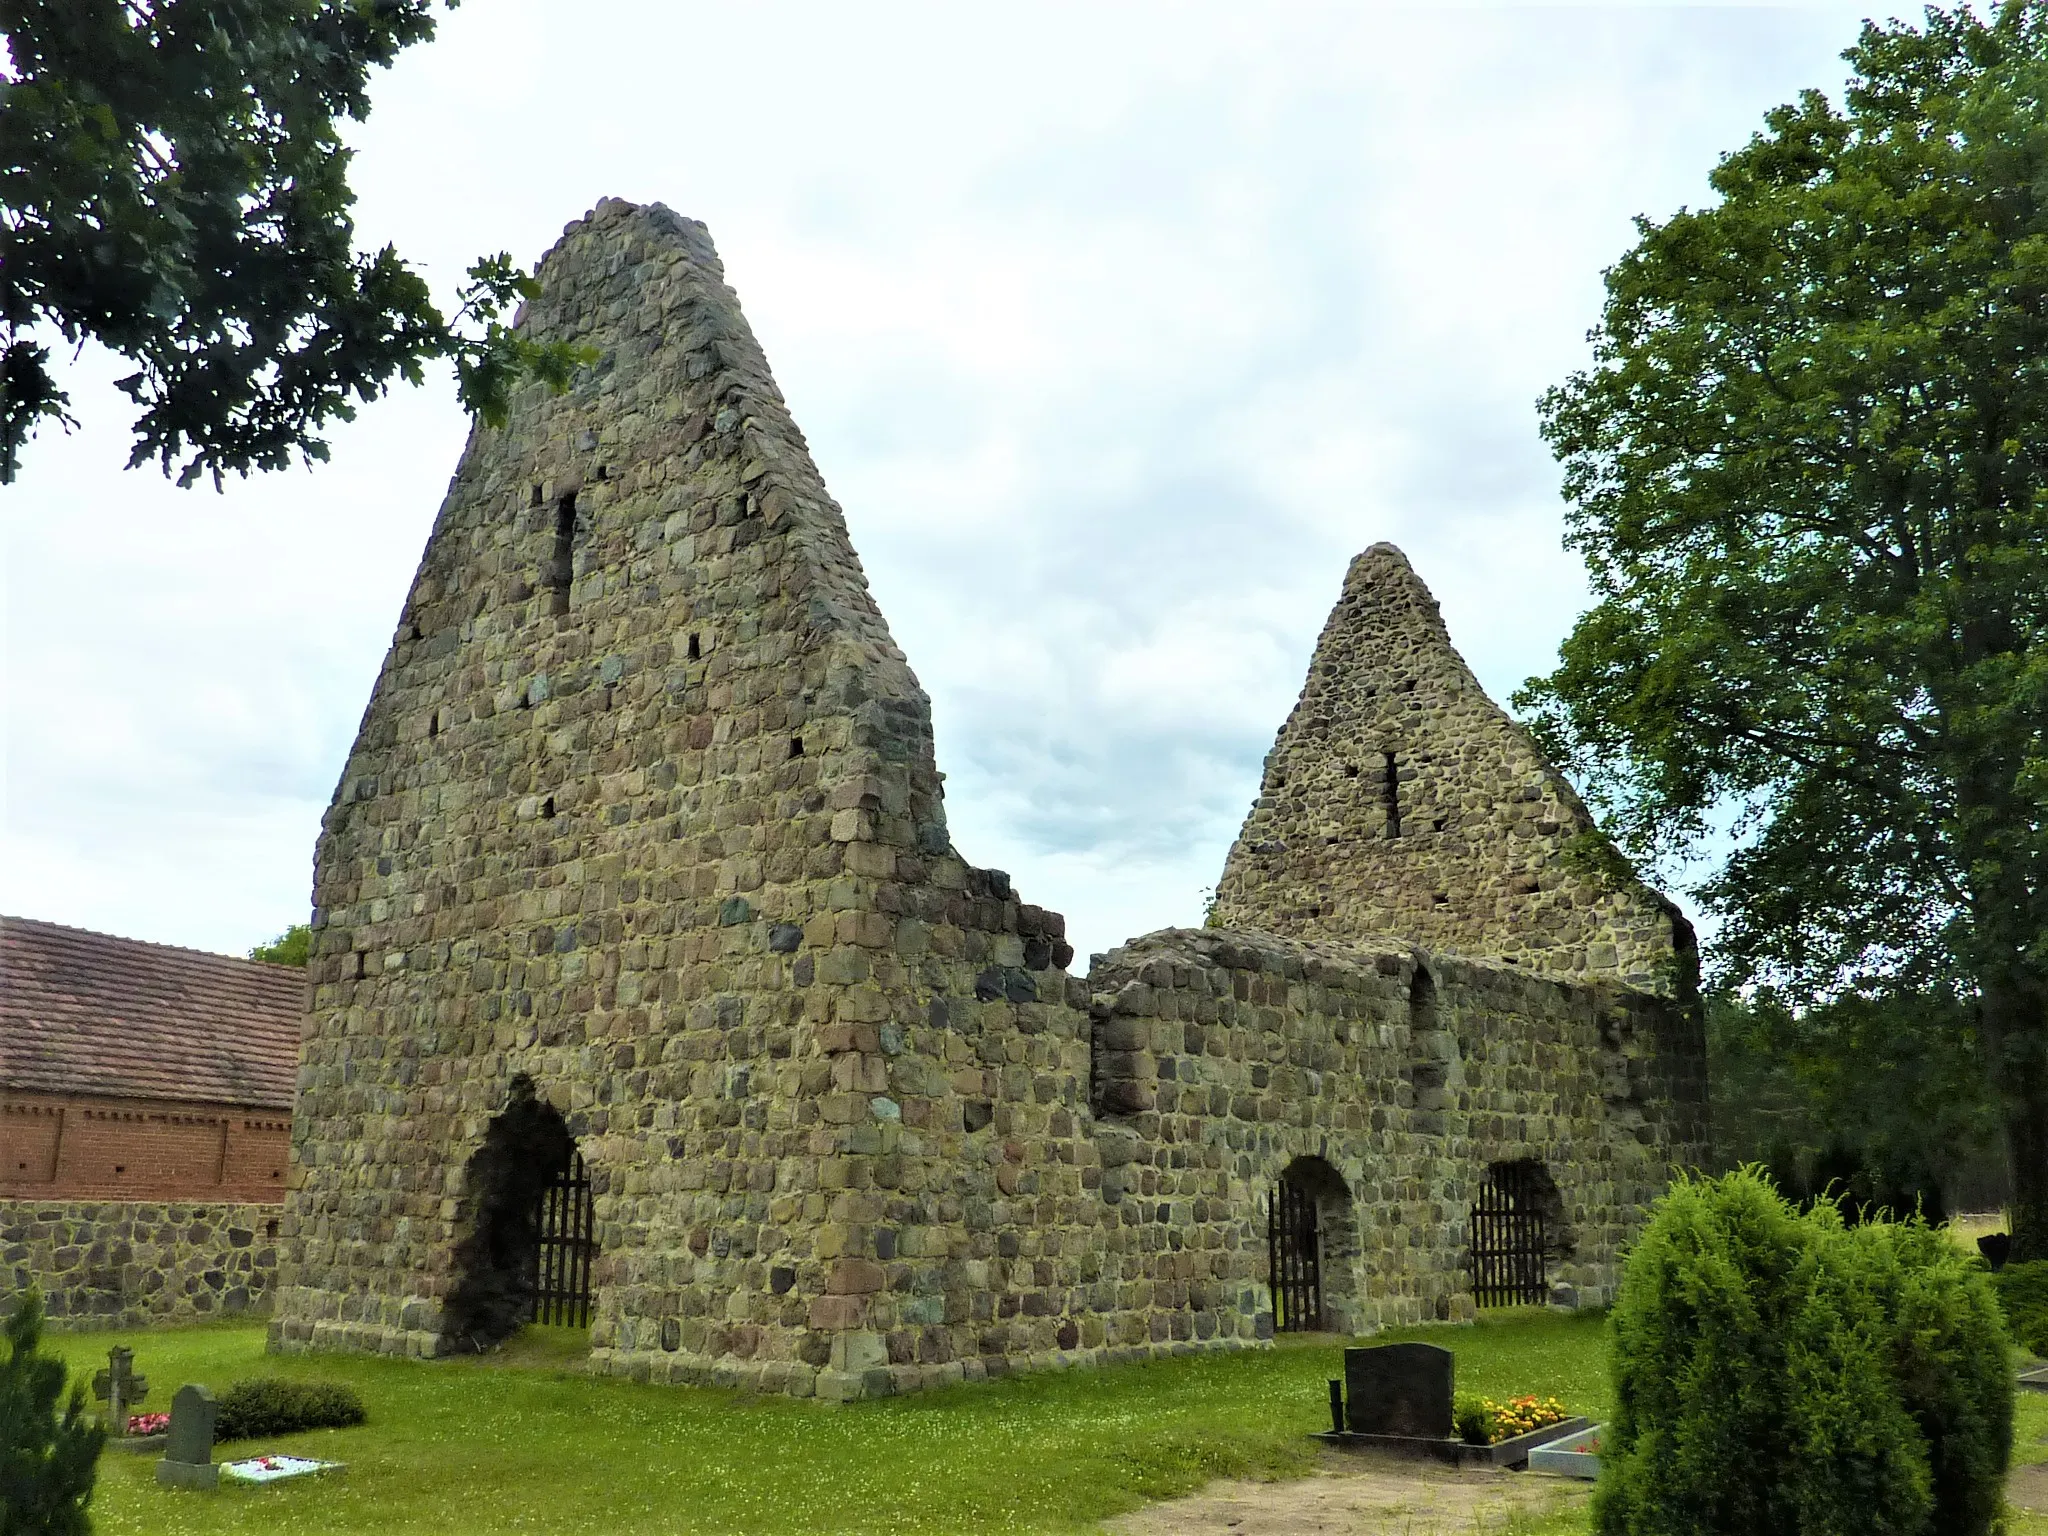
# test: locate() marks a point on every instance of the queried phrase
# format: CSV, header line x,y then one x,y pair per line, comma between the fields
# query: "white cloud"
x,y
1116,329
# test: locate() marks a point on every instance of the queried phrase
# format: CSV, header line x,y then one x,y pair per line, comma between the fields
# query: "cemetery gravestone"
x,y
1399,1389
188,1458
119,1387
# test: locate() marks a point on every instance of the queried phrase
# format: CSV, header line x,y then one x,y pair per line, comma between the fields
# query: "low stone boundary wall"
x,y
125,1263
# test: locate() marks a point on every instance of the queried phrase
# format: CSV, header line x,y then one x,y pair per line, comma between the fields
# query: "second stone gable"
x,y
1399,798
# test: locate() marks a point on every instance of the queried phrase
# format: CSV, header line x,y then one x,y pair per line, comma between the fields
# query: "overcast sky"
x,y
1116,330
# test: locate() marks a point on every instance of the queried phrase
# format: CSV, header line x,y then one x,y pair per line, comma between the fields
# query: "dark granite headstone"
x,y
188,1456
1399,1389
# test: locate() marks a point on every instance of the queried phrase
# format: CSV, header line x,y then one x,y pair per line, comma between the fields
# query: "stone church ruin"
x,y
639,873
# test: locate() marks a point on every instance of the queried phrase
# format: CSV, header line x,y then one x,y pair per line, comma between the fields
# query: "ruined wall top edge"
x,y
1337,961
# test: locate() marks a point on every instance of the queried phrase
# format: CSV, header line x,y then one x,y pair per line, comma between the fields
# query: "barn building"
x,y
134,1071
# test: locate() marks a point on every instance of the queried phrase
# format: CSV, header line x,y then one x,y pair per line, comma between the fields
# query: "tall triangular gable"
x,y
1400,800
643,809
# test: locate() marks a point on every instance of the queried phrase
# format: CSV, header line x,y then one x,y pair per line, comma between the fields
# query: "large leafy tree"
x,y
289,948
173,185
1882,1098
1809,475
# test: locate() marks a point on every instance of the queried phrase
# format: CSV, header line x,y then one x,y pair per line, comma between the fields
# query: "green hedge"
x,y
1777,1371
272,1405
2023,1293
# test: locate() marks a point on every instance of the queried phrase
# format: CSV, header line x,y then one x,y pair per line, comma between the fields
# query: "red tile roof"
x,y
89,1013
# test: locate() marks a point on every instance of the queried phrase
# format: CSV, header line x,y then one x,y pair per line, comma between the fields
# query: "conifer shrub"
x,y
273,1405
49,1444
1952,1363
1778,1371
2023,1296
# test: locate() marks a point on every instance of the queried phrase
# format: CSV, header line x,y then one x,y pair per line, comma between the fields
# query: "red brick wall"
x,y
66,1147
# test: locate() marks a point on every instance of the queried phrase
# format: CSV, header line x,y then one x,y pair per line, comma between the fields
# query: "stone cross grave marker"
x,y
188,1458
119,1387
1399,1389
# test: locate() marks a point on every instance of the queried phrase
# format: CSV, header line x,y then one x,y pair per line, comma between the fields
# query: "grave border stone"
x,y
1576,1455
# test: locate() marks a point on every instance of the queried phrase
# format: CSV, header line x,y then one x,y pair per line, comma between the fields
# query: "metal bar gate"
x,y
562,1259
1294,1254
1508,1240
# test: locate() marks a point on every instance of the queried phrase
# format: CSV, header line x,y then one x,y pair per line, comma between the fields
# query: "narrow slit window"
x,y
796,746
696,649
562,568
547,809
1390,792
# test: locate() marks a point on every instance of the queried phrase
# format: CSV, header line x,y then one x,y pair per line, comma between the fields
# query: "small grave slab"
x,y
188,1451
2036,1379
1576,1455
276,1469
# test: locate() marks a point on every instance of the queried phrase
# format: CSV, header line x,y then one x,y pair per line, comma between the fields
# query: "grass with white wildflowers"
x,y
525,1442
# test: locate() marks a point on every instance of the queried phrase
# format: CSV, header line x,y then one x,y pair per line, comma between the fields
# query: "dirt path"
x,y
1360,1494
1356,1494
2028,1488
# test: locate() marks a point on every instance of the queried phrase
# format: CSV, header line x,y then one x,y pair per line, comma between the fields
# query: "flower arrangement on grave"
x,y
148,1423
1482,1421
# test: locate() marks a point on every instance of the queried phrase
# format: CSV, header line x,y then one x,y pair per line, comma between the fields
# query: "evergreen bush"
x,y
273,1405
1778,1371
1952,1362
49,1444
2023,1296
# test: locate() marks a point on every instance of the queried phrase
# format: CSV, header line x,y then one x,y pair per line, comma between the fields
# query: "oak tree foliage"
x,y
1808,471
174,186
292,947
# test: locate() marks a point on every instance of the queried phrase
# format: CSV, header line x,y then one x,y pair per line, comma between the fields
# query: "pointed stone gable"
x,y
643,808
1400,799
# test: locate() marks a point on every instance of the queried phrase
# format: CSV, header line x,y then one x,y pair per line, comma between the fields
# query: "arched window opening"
x,y
1429,1050
528,1254
1518,1230
561,570
1312,1250
1421,1001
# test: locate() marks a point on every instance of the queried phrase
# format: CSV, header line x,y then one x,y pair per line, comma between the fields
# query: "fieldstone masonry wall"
x,y
645,807
1399,798
121,1264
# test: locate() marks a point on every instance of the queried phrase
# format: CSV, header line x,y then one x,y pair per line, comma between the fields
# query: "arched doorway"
x,y
1312,1247
528,1253
1518,1227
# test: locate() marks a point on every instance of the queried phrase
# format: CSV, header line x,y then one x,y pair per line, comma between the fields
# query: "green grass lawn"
x,y
523,1441
527,1443
2030,1445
